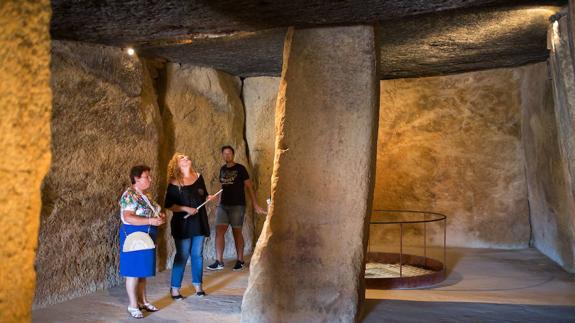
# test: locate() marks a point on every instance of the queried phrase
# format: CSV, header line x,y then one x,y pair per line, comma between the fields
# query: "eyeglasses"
x,y
183,157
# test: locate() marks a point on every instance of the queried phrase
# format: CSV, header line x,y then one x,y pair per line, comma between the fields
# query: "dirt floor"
x,y
483,285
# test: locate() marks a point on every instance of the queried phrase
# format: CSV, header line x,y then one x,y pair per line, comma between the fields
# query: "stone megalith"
x,y
562,69
25,102
203,111
260,96
309,261
105,119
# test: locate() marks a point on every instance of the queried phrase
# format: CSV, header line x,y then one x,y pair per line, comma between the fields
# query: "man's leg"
x,y
239,240
220,241
222,223
237,220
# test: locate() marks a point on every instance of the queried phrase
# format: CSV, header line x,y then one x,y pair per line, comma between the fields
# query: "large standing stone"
x,y
452,144
203,112
25,145
550,201
572,20
563,76
563,80
105,120
308,264
260,96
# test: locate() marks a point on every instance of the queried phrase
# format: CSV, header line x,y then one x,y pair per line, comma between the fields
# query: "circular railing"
x,y
400,248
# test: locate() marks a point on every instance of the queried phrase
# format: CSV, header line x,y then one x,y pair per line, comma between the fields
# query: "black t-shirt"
x,y
232,180
188,195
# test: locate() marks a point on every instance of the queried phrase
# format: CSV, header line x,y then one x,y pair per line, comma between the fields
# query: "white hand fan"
x,y
136,241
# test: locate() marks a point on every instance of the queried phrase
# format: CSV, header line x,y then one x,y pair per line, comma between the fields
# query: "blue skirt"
x,y
141,263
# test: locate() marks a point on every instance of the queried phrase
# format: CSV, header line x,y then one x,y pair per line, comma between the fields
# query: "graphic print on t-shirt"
x,y
228,176
232,180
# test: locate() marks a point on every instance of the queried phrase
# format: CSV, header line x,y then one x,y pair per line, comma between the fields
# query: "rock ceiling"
x,y
245,38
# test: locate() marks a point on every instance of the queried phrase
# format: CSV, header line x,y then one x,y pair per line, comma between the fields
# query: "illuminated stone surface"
x,y
308,263
260,96
25,98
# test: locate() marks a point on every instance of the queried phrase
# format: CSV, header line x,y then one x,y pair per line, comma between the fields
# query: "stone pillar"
x,y
563,81
550,201
571,17
25,145
105,119
309,261
260,95
203,112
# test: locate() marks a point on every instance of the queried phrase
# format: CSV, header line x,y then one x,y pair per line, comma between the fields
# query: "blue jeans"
x,y
185,248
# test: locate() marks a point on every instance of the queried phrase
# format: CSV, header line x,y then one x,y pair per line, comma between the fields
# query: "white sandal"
x,y
135,312
148,307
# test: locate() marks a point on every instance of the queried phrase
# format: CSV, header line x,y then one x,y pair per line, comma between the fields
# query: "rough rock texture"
x,y
203,112
242,54
245,38
452,144
260,96
571,8
469,40
326,121
432,44
25,144
123,22
556,237
105,120
550,201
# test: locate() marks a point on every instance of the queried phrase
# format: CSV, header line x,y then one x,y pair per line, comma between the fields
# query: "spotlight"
x,y
130,51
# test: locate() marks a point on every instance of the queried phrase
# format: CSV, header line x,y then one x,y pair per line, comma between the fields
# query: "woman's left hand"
x,y
157,221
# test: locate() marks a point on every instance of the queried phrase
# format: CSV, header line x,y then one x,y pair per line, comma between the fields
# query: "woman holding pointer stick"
x,y
185,193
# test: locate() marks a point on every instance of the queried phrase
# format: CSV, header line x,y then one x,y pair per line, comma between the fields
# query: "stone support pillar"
x,y
563,81
25,105
309,262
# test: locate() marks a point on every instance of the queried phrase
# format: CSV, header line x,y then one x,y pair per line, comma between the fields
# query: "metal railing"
x,y
403,218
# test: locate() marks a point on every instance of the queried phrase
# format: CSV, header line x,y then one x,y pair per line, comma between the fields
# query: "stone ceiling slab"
x,y
434,44
137,22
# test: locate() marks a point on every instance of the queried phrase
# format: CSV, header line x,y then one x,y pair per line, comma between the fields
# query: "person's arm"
x,y
216,198
207,195
249,187
181,208
131,218
171,202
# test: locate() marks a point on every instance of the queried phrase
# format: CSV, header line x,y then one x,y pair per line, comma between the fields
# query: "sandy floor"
x,y
222,304
482,286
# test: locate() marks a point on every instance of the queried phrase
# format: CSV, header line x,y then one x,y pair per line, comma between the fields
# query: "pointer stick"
x,y
220,191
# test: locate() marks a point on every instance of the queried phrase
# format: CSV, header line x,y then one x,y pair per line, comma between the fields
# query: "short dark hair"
x,y
137,171
230,148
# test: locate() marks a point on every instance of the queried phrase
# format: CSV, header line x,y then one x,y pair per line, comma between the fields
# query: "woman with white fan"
x,y
140,216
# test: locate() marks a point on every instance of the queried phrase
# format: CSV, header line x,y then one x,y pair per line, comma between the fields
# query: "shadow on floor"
x,y
418,311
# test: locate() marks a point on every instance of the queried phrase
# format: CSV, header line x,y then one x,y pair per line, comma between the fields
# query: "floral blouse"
x,y
132,200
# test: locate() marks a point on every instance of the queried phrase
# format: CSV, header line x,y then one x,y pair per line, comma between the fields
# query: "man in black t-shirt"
x,y
231,209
